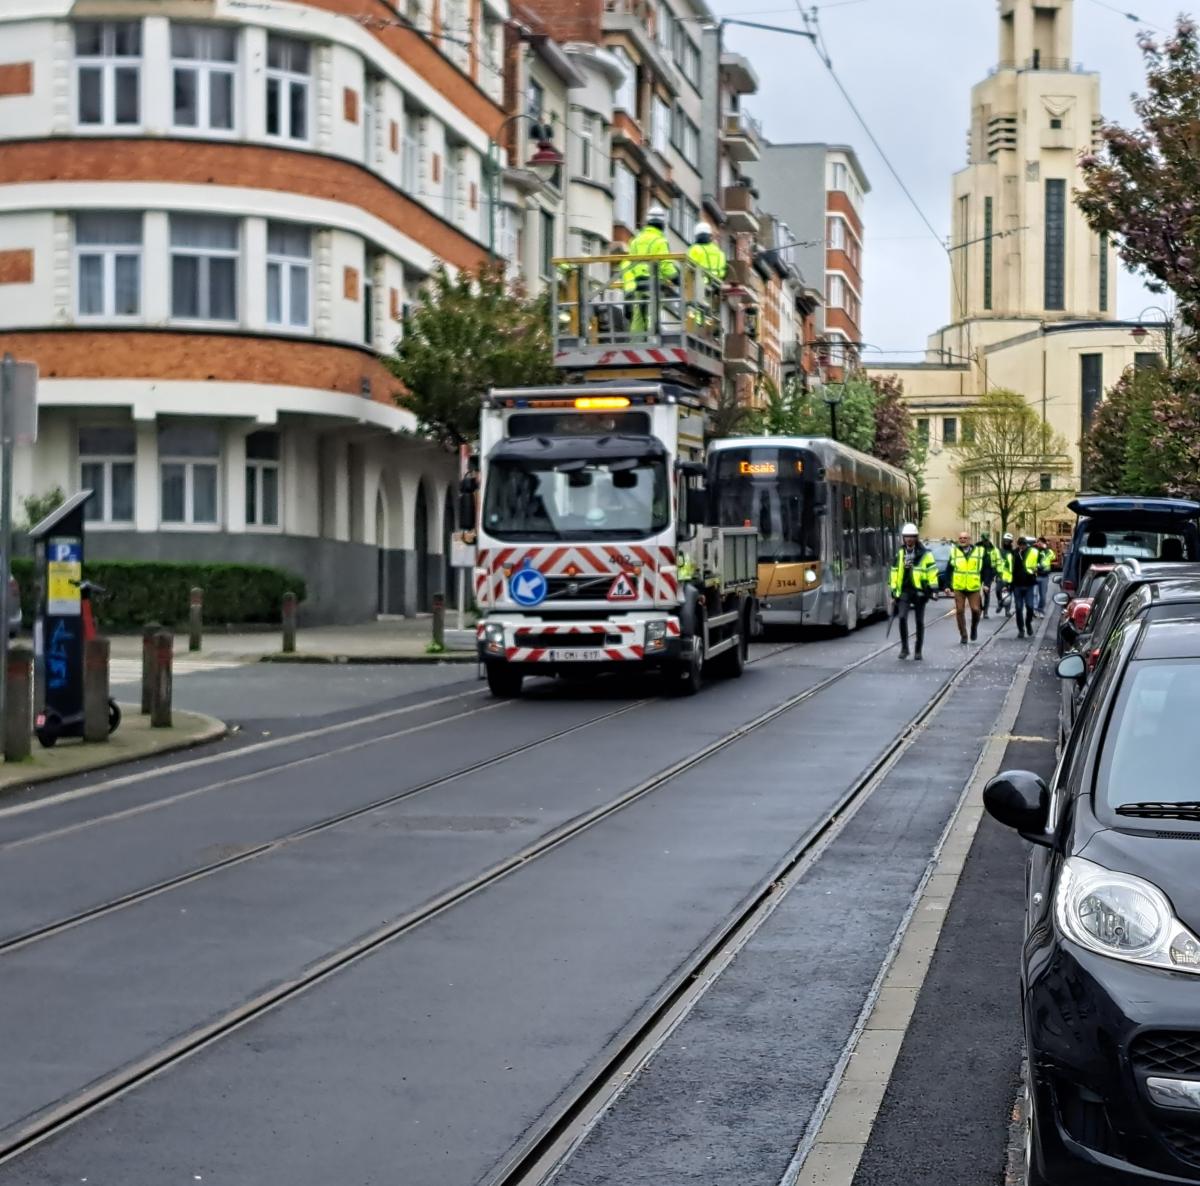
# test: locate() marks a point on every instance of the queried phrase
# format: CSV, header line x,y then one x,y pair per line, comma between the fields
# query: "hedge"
x,y
141,591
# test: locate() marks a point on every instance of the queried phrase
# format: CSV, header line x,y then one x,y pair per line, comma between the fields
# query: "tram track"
x,y
107,1088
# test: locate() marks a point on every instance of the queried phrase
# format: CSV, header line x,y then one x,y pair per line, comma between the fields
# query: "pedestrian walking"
x,y
991,569
1004,575
964,574
1045,558
1024,584
914,580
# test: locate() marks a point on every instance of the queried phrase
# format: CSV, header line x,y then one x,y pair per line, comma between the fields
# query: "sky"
x,y
909,66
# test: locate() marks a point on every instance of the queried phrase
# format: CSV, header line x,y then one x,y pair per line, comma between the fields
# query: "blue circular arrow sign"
x,y
527,587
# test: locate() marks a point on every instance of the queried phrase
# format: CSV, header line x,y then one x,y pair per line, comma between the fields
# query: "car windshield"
x,y
1152,749
941,553
613,498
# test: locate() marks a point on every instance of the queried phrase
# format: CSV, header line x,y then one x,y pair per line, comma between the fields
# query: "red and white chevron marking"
x,y
658,582
625,356
590,628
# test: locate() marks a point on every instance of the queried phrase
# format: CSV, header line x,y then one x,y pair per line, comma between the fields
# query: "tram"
x,y
828,518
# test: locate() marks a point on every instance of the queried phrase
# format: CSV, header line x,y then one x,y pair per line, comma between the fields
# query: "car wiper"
x,y
1186,810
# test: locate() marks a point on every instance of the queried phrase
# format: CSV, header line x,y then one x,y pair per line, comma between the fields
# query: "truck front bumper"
x,y
638,637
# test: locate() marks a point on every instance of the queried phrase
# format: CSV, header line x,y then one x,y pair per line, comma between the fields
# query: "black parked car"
x,y
1116,602
1110,968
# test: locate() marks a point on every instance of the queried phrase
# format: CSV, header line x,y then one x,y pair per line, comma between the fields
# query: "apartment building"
x,y
820,192
210,227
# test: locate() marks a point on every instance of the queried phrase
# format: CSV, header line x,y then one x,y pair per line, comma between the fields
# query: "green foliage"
x,y
37,506
1001,465
138,592
730,417
469,333
1141,188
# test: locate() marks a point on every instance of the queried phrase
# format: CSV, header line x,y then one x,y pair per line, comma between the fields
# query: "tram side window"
x,y
868,528
849,529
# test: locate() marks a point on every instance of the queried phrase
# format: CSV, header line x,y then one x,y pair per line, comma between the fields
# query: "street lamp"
x,y
1139,331
544,163
833,394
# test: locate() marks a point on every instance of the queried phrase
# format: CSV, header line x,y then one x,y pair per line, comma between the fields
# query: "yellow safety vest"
x,y
1046,559
648,241
924,573
968,570
710,257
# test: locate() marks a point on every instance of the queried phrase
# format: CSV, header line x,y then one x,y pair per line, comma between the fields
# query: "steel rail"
x,y
106,1089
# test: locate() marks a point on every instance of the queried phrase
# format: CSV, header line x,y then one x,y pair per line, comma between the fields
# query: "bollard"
x,y
160,687
439,621
95,690
148,633
18,705
195,618
289,623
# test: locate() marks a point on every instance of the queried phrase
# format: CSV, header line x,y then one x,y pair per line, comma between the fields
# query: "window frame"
x,y
190,462
287,264
108,253
205,69
287,78
107,63
103,499
256,467
205,255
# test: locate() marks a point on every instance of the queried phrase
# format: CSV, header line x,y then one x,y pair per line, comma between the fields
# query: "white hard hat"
x,y
656,214
1007,538
908,529
702,228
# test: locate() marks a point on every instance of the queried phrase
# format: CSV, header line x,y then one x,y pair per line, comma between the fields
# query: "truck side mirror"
x,y
466,510
696,506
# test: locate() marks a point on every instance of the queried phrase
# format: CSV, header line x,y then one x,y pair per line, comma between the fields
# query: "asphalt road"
x,y
385,938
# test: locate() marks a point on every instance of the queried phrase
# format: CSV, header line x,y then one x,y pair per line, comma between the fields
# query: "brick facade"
x,y
16,266
16,78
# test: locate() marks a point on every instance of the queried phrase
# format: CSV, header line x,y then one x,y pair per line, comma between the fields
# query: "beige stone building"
x,y
1033,289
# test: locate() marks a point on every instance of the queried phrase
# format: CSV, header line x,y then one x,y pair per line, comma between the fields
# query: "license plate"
x,y
576,655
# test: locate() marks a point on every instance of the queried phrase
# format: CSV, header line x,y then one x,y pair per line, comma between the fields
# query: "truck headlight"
x,y
656,636
493,637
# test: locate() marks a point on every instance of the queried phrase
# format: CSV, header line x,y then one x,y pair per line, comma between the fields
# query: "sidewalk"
x,y
398,640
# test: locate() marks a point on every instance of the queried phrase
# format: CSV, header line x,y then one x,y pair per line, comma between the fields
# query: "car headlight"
x,y
1122,916
493,636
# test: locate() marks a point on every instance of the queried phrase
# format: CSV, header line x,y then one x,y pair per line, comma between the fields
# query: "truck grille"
x,y
580,588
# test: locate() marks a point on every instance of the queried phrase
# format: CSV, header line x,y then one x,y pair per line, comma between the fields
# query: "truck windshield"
x,y
613,498
764,488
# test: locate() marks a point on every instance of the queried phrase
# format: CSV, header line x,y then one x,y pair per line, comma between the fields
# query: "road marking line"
x,y
840,1127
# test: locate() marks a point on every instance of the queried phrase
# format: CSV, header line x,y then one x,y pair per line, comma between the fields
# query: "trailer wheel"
x,y
504,682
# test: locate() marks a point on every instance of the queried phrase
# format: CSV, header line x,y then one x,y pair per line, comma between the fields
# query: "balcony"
x,y
742,136
743,355
638,19
740,211
738,74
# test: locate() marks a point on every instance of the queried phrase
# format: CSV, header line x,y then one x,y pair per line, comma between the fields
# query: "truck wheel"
x,y
689,675
731,663
503,681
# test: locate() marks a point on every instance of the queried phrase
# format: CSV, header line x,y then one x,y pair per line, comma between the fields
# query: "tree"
x,y
37,506
1106,442
469,333
797,412
894,430
1005,455
1143,188
1175,435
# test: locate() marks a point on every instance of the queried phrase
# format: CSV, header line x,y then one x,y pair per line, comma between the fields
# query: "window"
x,y
660,125
624,195
288,83
837,292
837,234
450,181
839,176
950,430
106,460
289,267
666,26
370,100
204,62
987,253
625,98
1146,360
108,73
923,429
587,126
1104,273
188,463
691,215
370,270
204,262
262,479
410,160
1045,482
1091,386
535,101
967,430
547,258
1056,123
1055,245
108,265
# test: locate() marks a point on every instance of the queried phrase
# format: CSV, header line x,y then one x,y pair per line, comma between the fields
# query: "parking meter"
x,y
58,628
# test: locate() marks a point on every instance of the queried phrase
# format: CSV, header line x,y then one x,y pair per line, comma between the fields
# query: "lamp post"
x,y
833,394
544,163
1139,331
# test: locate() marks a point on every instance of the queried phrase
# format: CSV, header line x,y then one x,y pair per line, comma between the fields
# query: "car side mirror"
x,y
1056,579
1020,800
1071,667
1061,599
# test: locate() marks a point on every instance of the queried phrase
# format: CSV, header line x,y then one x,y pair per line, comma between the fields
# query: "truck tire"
x,y
689,675
504,682
731,663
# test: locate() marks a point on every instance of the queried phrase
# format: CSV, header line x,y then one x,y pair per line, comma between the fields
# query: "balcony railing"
x,y
738,203
1038,62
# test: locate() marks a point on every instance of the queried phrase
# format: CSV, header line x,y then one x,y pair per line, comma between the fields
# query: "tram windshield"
x,y
577,499
767,488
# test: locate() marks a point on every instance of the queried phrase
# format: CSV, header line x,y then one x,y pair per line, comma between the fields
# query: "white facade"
x,y
208,259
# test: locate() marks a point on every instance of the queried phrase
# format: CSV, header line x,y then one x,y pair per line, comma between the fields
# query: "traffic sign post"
x,y
18,425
